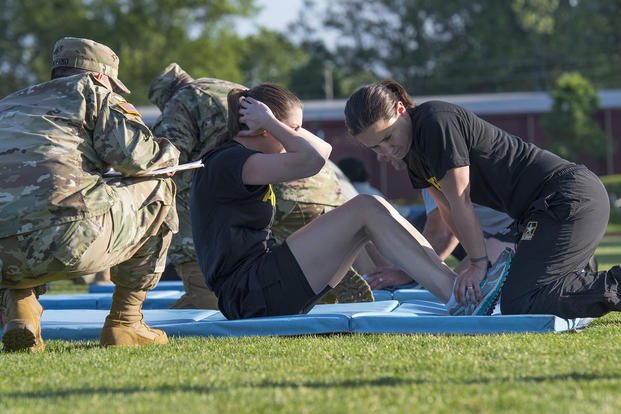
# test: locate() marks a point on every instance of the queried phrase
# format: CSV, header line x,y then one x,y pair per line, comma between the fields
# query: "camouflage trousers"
x,y
132,239
182,246
292,216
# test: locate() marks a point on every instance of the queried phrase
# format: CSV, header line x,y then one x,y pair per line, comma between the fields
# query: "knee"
x,y
369,204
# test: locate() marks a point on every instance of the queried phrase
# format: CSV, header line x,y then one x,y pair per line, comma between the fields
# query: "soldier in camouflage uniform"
x,y
194,114
59,216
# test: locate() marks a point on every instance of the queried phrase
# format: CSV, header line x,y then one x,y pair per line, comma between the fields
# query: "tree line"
x,y
433,47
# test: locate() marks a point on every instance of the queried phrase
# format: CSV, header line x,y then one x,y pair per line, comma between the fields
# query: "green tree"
x,y
570,124
463,46
323,73
146,34
270,57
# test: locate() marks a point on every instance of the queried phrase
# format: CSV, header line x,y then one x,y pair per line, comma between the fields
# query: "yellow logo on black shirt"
x,y
529,232
269,196
434,181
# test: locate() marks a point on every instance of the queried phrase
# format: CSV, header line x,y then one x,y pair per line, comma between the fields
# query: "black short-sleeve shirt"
x,y
506,173
231,221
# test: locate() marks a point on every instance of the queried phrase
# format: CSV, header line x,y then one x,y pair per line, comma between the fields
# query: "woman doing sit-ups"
x,y
232,208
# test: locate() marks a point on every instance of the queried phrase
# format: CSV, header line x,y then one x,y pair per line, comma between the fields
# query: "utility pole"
x,y
328,84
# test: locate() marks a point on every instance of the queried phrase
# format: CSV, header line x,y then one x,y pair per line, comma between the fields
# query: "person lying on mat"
x,y
562,208
232,208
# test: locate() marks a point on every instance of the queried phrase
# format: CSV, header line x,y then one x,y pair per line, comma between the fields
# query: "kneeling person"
x,y
59,216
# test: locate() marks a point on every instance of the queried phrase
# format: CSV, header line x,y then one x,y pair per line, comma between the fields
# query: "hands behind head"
x,y
255,115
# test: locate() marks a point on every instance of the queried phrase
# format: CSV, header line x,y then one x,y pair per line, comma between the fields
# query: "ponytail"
x,y
370,103
234,99
278,99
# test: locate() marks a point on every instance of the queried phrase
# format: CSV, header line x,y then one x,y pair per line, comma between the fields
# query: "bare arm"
x,y
456,208
305,153
439,234
380,273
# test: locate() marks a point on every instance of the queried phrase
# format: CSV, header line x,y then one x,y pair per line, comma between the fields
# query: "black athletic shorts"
x,y
272,285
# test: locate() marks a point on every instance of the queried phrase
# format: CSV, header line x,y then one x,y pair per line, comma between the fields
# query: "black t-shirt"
x,y
506,173
231,221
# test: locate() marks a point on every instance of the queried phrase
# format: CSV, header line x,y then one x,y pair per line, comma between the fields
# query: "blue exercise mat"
x,y
156,299
163,299
416,316
404,323
382,295
414,294
85,324
163,285
174,285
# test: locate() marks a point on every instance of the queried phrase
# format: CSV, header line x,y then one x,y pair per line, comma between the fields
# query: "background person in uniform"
x,y
194,113
233,204
59,217
562,207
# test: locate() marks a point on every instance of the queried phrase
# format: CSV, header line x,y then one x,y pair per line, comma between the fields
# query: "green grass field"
x,y
577,372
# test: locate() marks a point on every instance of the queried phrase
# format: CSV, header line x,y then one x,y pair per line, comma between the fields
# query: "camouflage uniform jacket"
x,y
323,188
57,138
192,119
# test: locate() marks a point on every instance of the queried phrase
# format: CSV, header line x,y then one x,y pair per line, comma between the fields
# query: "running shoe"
x,y
491,286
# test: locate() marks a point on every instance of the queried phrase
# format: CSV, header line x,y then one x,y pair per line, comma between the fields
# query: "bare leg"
x,y
326,247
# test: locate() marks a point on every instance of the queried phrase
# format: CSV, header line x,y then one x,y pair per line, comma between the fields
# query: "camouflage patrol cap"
x,y
166,83
89,55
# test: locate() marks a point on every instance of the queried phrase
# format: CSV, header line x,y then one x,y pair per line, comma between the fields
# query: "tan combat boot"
x,y
125,325
22,319
352,288
197,294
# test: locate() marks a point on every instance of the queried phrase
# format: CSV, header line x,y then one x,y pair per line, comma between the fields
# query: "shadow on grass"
x,y
395,381
71,346
56,347
379,382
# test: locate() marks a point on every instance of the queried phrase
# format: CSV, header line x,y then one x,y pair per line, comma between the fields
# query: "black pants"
x,y
560,233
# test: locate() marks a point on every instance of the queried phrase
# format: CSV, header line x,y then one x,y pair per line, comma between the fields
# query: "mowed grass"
x,y
575,372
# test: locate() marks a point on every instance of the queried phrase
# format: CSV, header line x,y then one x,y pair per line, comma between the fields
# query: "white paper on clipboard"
x,y
161,171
